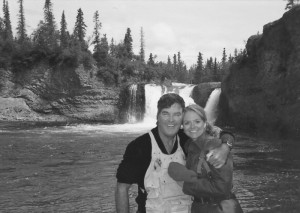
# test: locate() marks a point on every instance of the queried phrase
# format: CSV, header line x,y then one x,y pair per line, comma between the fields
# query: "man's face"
x,y
169,120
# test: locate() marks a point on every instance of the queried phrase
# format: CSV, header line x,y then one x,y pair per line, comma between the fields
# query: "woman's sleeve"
x,y
218,185
227,137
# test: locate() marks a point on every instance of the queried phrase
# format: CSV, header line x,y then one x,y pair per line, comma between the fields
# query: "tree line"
x,y
115,63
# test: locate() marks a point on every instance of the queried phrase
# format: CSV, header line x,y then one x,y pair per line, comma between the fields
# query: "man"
x,y
146,161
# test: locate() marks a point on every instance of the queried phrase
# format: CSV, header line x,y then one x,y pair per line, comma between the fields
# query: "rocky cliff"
x,y
44,94
262,92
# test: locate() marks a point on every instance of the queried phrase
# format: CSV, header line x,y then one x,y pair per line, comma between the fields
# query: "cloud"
x,y
162,33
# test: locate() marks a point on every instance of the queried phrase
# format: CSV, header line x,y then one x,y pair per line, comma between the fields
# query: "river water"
x,y
54,168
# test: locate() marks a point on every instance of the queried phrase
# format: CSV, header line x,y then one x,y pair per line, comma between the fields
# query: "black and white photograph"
x,y
150,106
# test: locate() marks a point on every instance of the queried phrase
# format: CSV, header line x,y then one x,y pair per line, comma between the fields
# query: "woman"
x,y
210,187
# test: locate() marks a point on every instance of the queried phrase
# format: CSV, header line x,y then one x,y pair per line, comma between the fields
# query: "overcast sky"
x,y
170,26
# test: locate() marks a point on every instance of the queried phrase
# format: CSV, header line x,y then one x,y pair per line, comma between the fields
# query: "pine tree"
x,y
230,59
96,32
150,60
179,62
199,69
2,24
46,37
224,59
3,7
169,63
215,70
112,48
104,48
7,23
21,31
64,35
128,44
49,18
80,27
209,64
175,61
235,54
142,48
1,28
181,73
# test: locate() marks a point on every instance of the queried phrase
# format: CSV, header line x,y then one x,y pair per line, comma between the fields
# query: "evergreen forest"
x,y
53,45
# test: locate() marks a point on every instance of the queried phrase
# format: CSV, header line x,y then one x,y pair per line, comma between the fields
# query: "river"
x,y
61,168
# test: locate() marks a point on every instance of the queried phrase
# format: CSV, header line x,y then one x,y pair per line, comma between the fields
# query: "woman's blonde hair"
x,y
198,110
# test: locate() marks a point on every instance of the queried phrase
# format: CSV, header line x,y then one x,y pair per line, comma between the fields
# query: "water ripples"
x,y
72,169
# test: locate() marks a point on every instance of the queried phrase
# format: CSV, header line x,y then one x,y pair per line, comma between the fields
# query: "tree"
x,y
97,54
64,35
128,44
101,54
112,48
80,27
175,61
215,70
235,54
142,48
7,23
224,58
199,69
3,7
46,37
21,31
151,60
181,70
1,28
49,18
96,32
179,62
169,63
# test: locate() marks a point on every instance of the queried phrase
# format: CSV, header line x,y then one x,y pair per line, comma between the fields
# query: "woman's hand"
x,y
218,156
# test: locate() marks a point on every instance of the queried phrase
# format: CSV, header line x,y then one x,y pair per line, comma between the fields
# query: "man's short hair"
x,y
167,100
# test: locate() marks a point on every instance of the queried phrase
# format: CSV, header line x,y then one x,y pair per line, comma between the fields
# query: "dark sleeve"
x,y
225,136
218,185
228,138
135,162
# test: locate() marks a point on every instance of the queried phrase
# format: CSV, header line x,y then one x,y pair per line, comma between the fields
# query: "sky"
x,y
169,26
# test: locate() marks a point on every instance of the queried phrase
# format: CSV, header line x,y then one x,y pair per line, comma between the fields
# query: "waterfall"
x,y
211,107
131,114
153,92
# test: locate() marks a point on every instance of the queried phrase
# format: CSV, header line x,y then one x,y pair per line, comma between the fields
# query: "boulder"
x,y
201,92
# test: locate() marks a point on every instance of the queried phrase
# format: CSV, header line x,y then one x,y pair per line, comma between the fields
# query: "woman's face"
x,y
193,125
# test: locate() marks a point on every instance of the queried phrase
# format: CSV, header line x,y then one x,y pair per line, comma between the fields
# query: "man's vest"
x,y
164,195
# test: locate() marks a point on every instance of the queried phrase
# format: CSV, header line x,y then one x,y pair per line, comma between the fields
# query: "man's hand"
x,y
218,156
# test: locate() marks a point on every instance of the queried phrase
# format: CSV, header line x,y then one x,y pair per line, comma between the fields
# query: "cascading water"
x,y
131,114
141,111
211,107
154,92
